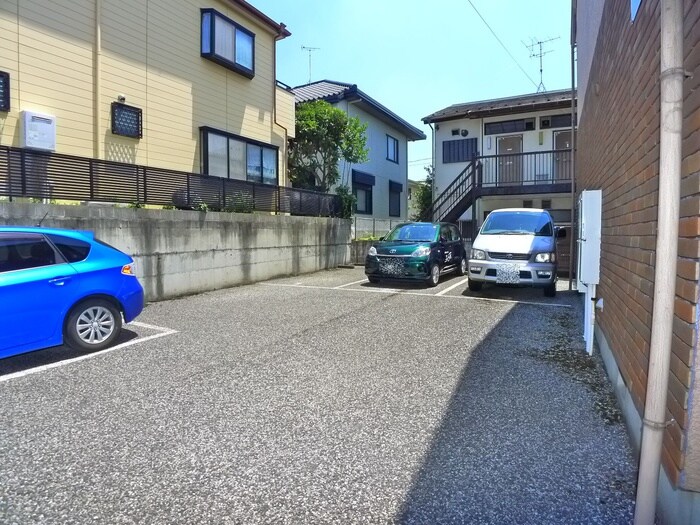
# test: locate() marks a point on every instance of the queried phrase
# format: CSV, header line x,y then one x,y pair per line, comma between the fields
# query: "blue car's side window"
x,y
25,251
74,250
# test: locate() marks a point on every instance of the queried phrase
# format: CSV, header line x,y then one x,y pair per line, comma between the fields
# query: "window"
x,y
556,121
456,236
392,149
127,120
73,250
232,157
395,190
23,251
362,184
461,150
546,204
527,204
4,91
509,126
227,43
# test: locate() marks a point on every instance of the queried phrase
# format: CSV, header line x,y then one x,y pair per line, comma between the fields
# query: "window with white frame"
x,y
234,157
392,149
227,43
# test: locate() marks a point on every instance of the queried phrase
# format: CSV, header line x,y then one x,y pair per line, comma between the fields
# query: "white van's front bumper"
x,y
512,272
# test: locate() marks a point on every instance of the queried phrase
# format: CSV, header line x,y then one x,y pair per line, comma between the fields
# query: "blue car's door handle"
x,y
59,281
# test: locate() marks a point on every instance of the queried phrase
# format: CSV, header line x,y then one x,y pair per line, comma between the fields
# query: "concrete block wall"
x,y
186,252
618,152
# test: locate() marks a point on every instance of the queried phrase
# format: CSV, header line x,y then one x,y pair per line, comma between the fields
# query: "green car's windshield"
x,y
416,232
517,223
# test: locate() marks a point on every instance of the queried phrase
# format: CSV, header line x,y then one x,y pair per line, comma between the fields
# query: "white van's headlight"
x,y
372,251
421,251
478,254
545,257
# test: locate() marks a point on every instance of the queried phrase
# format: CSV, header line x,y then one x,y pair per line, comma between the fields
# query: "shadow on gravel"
x,y
521,440
47,356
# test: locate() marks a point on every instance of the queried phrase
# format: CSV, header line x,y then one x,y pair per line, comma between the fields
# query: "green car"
x,y
417,251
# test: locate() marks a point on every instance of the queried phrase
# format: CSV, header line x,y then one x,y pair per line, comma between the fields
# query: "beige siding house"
x,y
197,75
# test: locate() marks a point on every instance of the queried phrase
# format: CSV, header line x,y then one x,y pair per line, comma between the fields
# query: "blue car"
x,y
63,286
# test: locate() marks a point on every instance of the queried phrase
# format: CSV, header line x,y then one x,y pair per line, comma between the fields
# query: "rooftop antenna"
x,y
536,51
310,50
38,224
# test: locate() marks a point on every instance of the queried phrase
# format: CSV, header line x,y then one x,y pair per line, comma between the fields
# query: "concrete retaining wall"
x,y
185,252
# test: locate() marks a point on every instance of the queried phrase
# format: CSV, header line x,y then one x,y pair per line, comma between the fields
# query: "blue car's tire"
x,y
92,325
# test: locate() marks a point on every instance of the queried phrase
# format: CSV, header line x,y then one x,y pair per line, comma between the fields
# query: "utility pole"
x,y
536,51
310,50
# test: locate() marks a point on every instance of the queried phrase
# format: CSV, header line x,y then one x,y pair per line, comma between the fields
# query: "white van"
x,y
516,246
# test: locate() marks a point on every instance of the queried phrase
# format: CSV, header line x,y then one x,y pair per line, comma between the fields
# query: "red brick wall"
x,y
618,152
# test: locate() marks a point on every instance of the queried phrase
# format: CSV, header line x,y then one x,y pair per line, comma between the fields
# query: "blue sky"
x,y
416,57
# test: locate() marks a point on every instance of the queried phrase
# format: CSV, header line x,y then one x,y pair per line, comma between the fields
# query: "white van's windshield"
x,y
517,223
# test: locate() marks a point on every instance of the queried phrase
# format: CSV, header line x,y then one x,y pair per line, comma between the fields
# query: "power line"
x,y
502,44
419,160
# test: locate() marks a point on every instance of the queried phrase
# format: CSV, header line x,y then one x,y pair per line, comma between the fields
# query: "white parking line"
x,y
162,333
350,284
460,283
406,292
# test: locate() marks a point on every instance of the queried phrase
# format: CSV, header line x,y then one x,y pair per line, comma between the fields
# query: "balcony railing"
x,y
525,169
40,175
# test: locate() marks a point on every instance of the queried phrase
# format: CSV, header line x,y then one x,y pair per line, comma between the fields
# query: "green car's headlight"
x,y
479,255
372,251
421,251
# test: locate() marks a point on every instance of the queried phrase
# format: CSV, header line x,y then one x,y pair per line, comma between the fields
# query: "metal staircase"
x,y
457,197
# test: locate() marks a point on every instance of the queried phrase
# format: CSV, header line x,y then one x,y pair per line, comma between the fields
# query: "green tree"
x,y
424,197
324,136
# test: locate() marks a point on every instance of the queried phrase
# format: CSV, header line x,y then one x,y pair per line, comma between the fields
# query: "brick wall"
x,y
618,152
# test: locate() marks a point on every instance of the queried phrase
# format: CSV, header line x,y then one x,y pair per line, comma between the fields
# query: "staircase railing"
x,y
454,193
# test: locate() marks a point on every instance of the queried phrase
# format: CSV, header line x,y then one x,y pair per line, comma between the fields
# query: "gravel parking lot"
x,y
321,399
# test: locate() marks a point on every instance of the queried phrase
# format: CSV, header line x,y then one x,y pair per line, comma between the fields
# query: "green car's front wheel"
x,y
434,277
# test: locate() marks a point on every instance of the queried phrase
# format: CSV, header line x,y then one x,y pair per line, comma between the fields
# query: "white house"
x,y
507,152
380,184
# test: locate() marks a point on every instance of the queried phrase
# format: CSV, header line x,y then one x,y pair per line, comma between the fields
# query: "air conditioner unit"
x,y
37,131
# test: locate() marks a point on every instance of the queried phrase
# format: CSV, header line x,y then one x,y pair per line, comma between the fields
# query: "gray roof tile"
x,y
503,106
332,92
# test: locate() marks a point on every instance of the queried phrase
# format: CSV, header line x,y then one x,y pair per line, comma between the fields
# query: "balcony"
x,y
538,172
523,173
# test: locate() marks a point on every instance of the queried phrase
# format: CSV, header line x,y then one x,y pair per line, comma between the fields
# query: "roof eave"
x,y
496,112
279,28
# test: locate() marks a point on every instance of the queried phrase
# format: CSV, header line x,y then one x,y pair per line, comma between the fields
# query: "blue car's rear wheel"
x,y
92,325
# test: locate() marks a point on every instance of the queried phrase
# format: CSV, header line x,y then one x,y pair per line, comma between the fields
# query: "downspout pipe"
x,y
654,421
573,143
432,190
97,80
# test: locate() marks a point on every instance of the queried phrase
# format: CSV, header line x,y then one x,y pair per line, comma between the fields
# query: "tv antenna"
x,y
536,51
310,50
